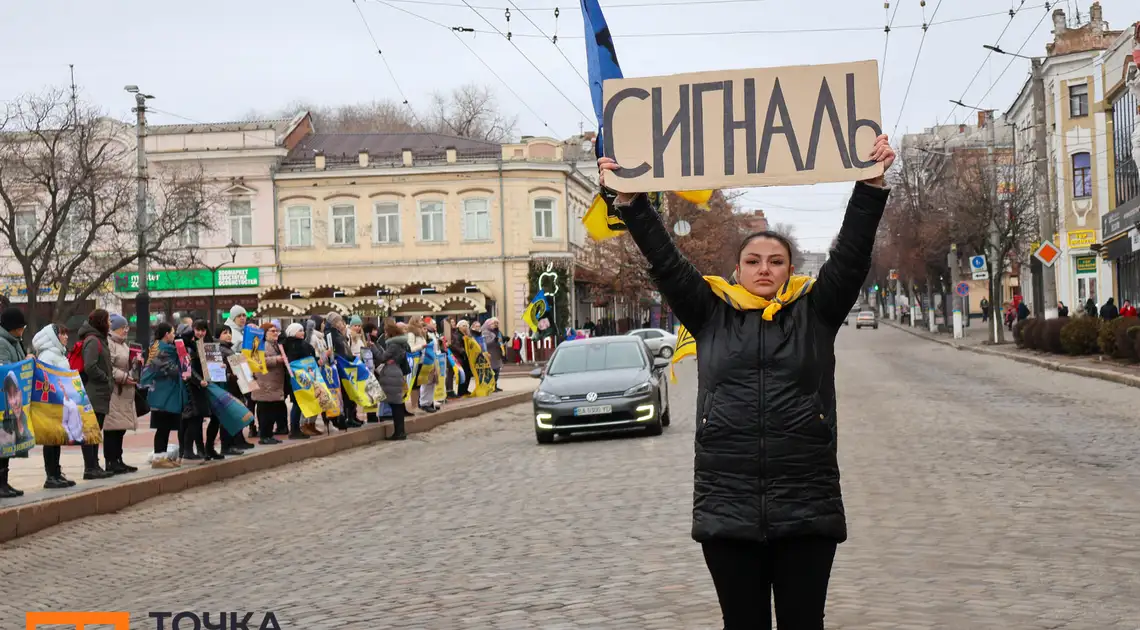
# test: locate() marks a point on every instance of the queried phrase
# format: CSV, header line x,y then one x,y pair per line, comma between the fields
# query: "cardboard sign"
x,y
738,128
212,362
239,365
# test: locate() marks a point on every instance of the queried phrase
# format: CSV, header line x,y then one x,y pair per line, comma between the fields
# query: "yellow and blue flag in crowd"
x,y
601,221
354,380
253,348
230,412
309,388
15,408
61,413
535,310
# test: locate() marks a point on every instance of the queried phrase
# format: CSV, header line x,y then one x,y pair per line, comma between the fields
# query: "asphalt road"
x,y
981,493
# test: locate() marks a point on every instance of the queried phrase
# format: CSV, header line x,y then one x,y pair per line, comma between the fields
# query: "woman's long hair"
x,y
100,320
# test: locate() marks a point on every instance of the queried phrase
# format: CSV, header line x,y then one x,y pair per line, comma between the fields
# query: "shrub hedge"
x,y
1079,336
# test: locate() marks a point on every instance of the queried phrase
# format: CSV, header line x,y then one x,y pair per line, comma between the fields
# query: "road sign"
x,y
977,263
1047,253
893,275
981,275
682,228
962,289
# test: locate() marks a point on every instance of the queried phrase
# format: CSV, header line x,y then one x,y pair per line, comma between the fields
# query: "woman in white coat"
x,y
50,346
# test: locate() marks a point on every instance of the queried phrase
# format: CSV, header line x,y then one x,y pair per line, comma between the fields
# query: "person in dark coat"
x,y
190,434
1062,310
12,326
215,428
1109,312
767,505
296,348
167,395
1022,311
97,381
393,370
1090,307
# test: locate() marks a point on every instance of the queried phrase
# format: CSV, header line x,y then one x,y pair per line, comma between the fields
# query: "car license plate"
x,y
596,410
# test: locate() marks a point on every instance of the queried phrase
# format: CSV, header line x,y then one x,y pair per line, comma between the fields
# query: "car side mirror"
x,y
536,373
660,364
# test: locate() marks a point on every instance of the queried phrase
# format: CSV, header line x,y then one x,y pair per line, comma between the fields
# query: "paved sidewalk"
x,y
27,474
976,340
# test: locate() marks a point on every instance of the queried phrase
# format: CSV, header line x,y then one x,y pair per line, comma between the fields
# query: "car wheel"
x,y
666,352
544,437
665,417
876,326
655,428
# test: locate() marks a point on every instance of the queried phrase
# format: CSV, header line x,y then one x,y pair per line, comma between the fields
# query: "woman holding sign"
x,y
767,507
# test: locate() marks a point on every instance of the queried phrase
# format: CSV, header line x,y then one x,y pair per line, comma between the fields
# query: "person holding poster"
x,y
50,345
296,348
12,326
393,370
272,387
167,396
765,511
253,347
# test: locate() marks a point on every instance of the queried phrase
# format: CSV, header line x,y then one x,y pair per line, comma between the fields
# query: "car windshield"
x,y
596,357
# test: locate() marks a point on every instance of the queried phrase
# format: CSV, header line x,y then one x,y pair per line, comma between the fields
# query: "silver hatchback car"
x,y
661,343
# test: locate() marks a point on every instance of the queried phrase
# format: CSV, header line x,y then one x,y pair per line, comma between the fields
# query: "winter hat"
x,y
183,330
237,311
293,329
118,321
334,319
12,319
276,322
356,321
462,324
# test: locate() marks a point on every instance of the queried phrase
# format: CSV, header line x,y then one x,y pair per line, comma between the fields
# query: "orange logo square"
x,y
117,620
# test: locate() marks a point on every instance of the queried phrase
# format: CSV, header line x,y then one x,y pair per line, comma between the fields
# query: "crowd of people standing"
x,y
122,388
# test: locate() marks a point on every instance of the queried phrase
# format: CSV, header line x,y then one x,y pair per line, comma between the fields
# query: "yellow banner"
x,y
484,376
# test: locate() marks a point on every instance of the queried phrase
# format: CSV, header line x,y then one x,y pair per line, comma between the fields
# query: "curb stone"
x,y
29,518
1056,366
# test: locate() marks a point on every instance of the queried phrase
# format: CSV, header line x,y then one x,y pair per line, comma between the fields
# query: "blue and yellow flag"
x,y
16,430
535,310
484,376
354,380
309,388
61,413
332,406
253,348
230,412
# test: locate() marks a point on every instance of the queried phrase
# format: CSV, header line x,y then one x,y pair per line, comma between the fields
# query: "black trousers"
x,y
51,460
399,411
3,471
269,414
113,446
190,436
91,451
213,429
747,574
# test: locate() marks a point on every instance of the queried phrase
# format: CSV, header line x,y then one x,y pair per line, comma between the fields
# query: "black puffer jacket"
x,y
766,465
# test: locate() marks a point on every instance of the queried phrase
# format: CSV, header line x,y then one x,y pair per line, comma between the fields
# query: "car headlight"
x,y
546,398
638,390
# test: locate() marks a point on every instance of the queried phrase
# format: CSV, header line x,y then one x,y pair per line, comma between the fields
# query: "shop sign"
x,y
1086,264
1081,239
1134,236
190,279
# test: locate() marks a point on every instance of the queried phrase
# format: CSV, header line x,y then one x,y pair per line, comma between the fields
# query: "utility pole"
x,y
996,265
142,298
1047,219
955,269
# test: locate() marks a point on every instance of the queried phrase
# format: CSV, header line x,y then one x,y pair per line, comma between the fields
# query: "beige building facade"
x,y
414,224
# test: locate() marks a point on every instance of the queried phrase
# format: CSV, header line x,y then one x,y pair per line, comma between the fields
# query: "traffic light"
x,y
876,288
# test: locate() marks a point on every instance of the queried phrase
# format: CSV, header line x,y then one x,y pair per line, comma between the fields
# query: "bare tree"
x,y
788,231
469,111
67,215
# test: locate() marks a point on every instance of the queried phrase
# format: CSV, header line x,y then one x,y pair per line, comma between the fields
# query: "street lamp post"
x,y
142,298
232,249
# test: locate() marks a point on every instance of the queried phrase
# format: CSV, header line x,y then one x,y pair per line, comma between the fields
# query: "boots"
x,y
56,480
310,429
119,467
6,491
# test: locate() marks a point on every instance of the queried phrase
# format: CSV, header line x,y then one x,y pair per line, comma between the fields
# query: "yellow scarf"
x,y
740,299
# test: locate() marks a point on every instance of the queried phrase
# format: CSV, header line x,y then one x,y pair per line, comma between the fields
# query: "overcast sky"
x,y
214,60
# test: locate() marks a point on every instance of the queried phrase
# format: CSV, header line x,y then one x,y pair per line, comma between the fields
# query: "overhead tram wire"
x,y
1012,15
586,116
552,41
786,31
1012,59
914,69
887,40
626,5
395,81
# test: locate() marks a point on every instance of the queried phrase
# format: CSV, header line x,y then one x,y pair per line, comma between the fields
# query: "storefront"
x,y
1121,229
175,294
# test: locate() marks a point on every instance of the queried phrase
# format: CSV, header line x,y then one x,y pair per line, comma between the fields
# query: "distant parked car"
x,y
661,343
867,318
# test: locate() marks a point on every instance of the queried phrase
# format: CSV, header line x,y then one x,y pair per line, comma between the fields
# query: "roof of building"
x,y
276,124
349,145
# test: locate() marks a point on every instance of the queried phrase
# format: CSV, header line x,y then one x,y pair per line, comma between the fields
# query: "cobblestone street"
x,y
981,494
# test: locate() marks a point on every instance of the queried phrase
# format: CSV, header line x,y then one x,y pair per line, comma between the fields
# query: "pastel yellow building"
x,y
422,224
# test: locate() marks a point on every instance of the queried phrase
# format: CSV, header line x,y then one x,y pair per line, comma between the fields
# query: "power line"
x,y
1012,15
380,53
1014,58
627,5
534,65
887,41
552,41
914,69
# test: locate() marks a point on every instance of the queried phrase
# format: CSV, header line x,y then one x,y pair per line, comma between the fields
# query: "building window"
x,y
76,227
343,225
1082,176
25,228
387,221
544,218
241,222
1123,123
1078,100
476,220
300,226
189,236
431,221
